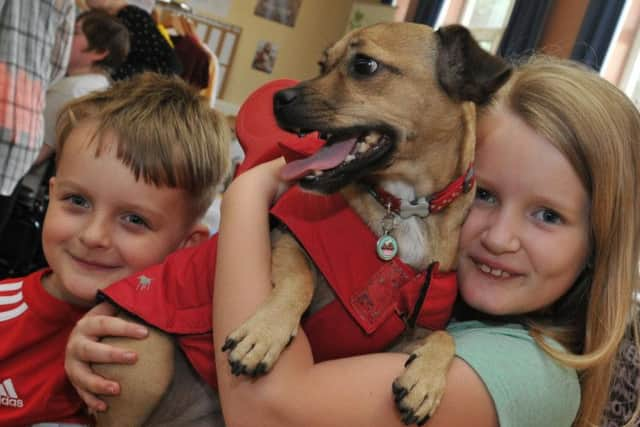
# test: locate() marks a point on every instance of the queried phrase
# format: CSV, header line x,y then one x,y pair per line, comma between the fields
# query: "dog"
x,y
396,105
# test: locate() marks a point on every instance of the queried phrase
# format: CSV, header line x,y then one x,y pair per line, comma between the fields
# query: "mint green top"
x,y
528,387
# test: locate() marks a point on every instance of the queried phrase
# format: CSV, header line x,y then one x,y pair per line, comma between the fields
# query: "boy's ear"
x,y
198,234
52,184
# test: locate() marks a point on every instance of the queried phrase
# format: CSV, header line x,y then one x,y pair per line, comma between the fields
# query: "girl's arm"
x,y
354,391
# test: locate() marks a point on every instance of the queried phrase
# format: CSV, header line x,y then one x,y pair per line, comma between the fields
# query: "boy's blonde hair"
x,y
166,134
596,127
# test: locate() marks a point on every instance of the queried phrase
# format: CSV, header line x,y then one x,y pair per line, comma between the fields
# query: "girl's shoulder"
x,y
528,387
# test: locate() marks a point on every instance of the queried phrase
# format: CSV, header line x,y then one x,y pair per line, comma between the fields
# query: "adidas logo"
x,y
8,395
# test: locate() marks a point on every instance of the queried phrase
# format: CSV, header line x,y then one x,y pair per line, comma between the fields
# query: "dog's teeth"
x,y
372,138
317,172
363,147
349,158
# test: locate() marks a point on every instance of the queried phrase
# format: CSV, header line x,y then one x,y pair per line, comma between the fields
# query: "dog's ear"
x,y
465,71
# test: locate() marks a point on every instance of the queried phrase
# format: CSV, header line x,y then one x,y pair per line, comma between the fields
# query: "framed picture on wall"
x,y
282,11
265,56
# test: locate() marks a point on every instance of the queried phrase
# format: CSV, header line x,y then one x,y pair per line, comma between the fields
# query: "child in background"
x,y
150,51
100,44
137,167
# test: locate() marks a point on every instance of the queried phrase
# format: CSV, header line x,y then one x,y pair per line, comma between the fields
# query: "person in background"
x,y
150,51
36,42
114,209
100,44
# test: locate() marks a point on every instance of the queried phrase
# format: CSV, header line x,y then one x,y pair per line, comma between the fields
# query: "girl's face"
x,y
526,238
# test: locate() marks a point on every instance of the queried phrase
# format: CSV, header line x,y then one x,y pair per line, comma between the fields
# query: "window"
x,y
622,63
486,19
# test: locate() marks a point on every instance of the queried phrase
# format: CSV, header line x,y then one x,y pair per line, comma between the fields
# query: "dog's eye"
x,y
323,67
364,65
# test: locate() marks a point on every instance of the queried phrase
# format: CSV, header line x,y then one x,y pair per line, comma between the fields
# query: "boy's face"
x,y
102,225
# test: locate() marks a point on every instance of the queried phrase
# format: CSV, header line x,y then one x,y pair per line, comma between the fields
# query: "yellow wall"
x,y
319,24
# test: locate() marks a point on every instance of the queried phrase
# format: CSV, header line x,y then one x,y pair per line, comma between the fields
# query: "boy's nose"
x,y
501,234
97,233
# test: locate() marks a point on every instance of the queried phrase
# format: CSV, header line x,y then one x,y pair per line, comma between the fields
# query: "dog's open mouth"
x,y
340,161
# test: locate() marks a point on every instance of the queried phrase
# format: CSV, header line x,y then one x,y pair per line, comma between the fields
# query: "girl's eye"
x,y
485,195
136,220
548,216
77,200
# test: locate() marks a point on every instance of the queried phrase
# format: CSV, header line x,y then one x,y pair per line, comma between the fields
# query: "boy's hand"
x,y
84,348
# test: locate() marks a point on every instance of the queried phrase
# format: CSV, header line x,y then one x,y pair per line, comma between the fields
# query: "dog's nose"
x,y
284,98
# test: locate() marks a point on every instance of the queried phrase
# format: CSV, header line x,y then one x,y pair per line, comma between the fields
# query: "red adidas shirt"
x,y
34,327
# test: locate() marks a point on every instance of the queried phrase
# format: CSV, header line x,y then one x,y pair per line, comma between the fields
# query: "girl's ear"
x,y
198,234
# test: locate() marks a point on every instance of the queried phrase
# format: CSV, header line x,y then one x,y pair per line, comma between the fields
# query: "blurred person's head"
x,y
100,43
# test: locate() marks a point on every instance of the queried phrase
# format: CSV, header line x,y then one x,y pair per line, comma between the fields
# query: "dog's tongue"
x,y
328,157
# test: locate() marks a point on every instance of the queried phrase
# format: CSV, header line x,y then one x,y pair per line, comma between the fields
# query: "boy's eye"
x,y
136,220
548,216
77,200
485,195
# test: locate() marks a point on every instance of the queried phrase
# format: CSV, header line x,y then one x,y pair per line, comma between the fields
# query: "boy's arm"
x,y
84,348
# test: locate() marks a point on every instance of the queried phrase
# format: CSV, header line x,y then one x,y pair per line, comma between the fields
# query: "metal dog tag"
x,y
386,247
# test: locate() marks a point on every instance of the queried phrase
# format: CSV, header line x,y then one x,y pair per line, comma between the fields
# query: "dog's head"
x,y
388,102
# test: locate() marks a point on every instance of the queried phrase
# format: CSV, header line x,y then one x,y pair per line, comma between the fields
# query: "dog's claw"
x,y
411,358
229,344
423,420
237,368
409,418
260,369
399,392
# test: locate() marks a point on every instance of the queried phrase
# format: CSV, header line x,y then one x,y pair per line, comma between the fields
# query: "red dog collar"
x,y
426,205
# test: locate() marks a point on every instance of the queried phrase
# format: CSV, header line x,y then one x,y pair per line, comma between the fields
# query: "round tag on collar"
x,y
387,247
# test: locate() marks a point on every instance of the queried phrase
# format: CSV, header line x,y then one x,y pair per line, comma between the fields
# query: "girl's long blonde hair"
x,y
597,128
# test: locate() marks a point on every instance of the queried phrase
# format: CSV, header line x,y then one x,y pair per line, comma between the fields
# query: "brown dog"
x,y
407,96
400,101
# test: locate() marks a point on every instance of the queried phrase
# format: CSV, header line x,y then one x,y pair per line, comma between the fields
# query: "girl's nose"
x,y
501,234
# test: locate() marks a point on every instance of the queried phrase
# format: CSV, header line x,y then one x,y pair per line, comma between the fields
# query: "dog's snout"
x,y
284,97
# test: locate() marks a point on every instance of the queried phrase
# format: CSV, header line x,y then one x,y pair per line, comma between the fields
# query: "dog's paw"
x,y
417,392
256,345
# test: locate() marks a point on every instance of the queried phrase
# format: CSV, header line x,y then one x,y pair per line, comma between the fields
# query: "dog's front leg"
x,y
143,384
257,343
419,389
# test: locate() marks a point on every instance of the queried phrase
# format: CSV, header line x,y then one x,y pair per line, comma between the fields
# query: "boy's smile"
x,y
102,225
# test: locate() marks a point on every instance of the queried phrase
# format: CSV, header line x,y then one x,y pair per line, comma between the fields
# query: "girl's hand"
x,y
84,348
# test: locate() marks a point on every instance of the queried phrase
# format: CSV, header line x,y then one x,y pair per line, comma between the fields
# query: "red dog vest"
x,y
374,298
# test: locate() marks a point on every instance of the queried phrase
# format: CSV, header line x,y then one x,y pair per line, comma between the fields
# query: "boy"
x,y
137,167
